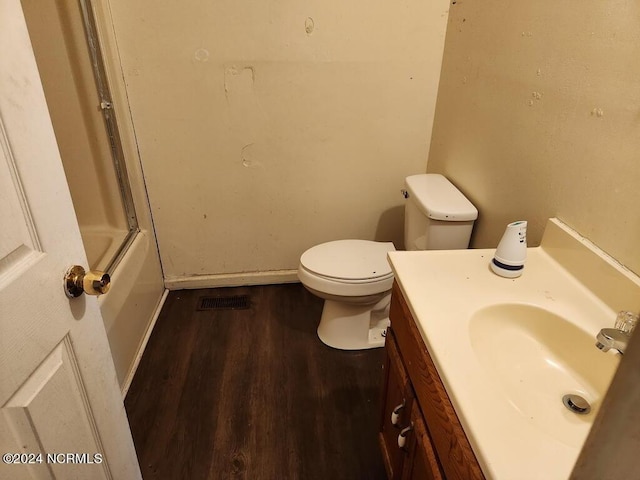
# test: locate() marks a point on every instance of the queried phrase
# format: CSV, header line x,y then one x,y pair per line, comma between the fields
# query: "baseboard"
x,y
231,279
143,344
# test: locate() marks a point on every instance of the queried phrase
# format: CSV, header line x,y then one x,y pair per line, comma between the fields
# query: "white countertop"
x,y
443,289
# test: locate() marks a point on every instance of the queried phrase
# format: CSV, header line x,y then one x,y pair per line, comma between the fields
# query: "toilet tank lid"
x,y
439,199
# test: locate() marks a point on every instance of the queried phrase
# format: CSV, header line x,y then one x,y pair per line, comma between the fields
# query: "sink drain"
x,y
576,404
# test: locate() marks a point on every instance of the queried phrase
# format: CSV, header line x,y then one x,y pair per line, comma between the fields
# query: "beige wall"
x,y
538,115
265,128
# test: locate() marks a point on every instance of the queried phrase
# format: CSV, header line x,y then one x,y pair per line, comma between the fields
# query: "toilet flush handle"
x,y
405,193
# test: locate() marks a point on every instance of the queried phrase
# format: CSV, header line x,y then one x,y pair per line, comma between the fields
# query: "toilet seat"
x,y
347,267
349,260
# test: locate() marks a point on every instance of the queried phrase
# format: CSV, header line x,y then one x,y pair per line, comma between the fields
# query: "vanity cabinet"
x,y
420,435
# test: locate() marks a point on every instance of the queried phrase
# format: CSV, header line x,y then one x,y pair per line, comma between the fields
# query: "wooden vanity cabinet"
x,y
435,445
397,401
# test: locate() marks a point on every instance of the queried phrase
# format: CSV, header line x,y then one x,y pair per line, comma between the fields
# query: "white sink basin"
x,y
537,357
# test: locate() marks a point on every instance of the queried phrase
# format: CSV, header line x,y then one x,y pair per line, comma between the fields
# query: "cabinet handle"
x,y
395,414
402,438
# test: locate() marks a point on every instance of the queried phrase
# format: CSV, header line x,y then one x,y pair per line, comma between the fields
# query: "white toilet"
x,y
354,277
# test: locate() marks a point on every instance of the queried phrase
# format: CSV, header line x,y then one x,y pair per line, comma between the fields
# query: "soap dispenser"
x,y
511,253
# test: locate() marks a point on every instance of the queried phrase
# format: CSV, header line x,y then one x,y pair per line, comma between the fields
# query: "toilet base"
x,y
348,326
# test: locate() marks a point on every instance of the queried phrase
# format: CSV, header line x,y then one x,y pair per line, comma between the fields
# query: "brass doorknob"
x,y
77,281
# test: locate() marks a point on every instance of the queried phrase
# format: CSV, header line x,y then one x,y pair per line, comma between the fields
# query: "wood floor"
x,y
253,394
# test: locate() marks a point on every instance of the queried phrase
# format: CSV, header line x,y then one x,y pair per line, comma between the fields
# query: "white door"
x,y
60,401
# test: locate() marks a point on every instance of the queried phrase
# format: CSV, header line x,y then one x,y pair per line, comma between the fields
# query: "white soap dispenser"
x,y
511,253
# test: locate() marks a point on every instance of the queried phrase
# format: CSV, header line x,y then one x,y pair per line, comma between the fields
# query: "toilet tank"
x,y
437,215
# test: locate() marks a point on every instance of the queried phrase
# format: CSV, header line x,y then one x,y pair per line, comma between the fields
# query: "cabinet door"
x,y
397,401
421,462
443,426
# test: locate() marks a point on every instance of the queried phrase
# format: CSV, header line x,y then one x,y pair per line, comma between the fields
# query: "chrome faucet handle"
x,y
608,338
617,338
626,321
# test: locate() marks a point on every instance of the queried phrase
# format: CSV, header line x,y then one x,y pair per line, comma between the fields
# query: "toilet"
x,y
355,279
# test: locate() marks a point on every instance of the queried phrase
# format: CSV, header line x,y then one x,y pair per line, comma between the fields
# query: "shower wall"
x,y
267,127
58,38
137,289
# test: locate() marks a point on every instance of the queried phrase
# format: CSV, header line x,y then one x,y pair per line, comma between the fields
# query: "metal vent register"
x,y
235,302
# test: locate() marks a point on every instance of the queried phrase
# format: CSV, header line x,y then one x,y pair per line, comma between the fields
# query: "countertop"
x,y
443,289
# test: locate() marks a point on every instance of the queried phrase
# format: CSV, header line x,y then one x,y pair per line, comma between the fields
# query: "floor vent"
x,y
235,302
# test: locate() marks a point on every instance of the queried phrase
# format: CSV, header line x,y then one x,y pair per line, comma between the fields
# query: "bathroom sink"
x,y
509,350
537,357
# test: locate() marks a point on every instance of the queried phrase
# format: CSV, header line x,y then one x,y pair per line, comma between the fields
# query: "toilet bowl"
x,y
354,279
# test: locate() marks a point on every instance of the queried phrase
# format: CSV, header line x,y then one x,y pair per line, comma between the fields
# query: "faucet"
x,y
618,337
609,338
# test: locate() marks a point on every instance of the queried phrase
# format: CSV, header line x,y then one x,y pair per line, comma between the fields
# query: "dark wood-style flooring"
x,y
253,393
